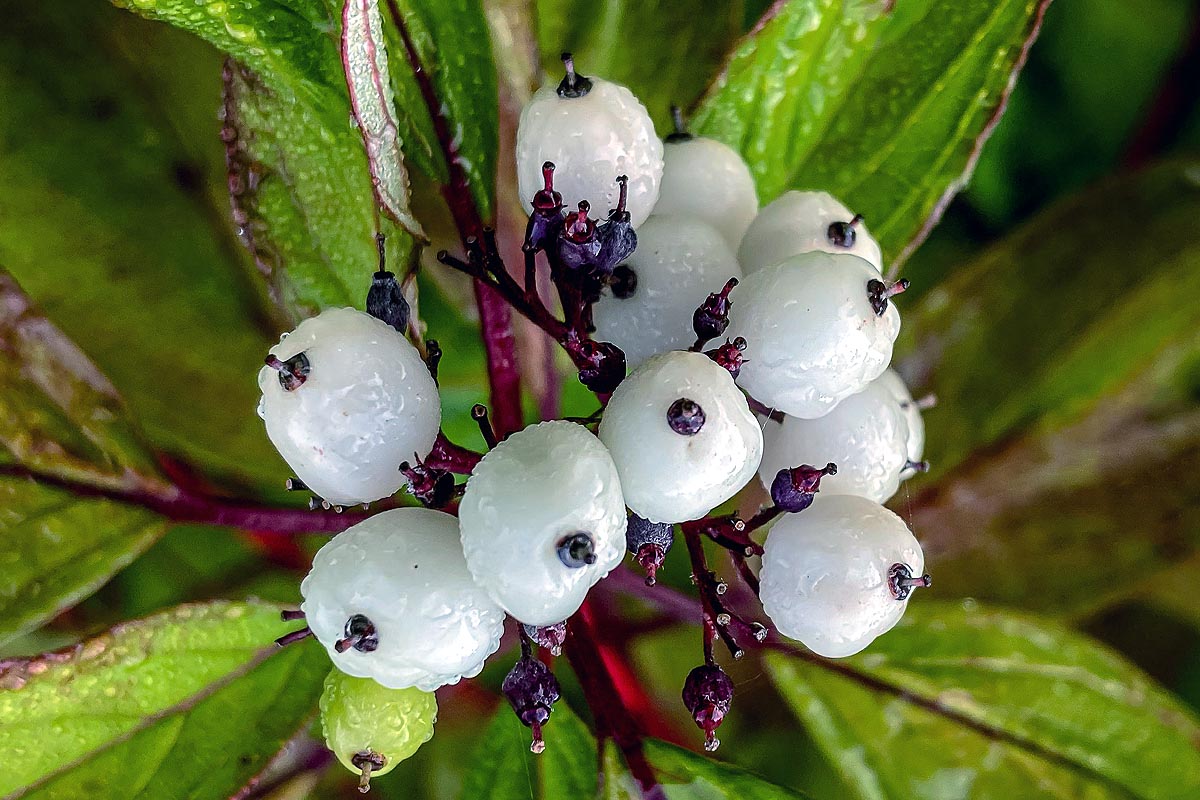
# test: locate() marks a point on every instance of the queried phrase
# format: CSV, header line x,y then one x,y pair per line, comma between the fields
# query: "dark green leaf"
x,y
966,702
190,703
1067,437
664,50
885,108
688,776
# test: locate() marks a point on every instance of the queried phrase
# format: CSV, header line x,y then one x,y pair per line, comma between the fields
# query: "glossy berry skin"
x,y
359,716
708,180
673,476
798,222
529,495
591,140
915,443
825,573
402,570
866,435
814,337
367,404
679,261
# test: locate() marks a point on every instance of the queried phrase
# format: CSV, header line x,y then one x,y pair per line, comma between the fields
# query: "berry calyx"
x,y
546,218
550,637
793,489
649,542
879,293
680,134
729,355
432,486
712,317
708,694
385,299
578,244
902,581
577,550
360,634
293,372
547,199
841,234
531,690
623,282
685,417
617,237
601,364
573,84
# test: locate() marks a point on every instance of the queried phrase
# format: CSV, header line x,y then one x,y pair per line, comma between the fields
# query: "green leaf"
x,y
1065,362
688,776
504,768
663,50
189,703
964,702
886,108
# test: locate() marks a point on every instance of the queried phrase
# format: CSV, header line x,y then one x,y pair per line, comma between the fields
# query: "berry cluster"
x,y
721,341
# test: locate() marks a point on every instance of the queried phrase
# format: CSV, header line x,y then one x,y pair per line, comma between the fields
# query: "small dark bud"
x,y
550,637
793,489
433,487
385,300
603,363
712,317
546,221
573,84
577,550
708,694
532,690
685,417
360,634
433,357
879,293
843,234
902,582
617,237
578,244
292,373
729,355
680,134
623,282
649,542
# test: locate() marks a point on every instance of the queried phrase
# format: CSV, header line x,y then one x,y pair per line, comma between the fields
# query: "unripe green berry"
x,y
371,728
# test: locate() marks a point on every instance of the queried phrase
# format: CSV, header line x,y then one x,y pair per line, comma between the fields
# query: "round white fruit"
x,y
403,570
798,222
827,573
814,337
915,443
668,475
679,262
866,435
525,500
367,404
591,140
708,180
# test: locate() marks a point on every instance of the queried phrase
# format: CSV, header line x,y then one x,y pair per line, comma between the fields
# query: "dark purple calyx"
x,y
879,293
367,762
685,417
601,364
550,637
680,134
292,373
623,282
729,355
793,489
843,234
432,486
578,243
546,221
708,694
617,237
532,690
712,317
649,542
573,84
576,550
360,634
385,300
902,581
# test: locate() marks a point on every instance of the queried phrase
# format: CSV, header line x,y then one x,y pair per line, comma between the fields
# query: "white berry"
x,y
915,443
399,578
799,222
814,335
676,464
543,520
708,180
366,404
839,573
679,261
591,139
866,435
